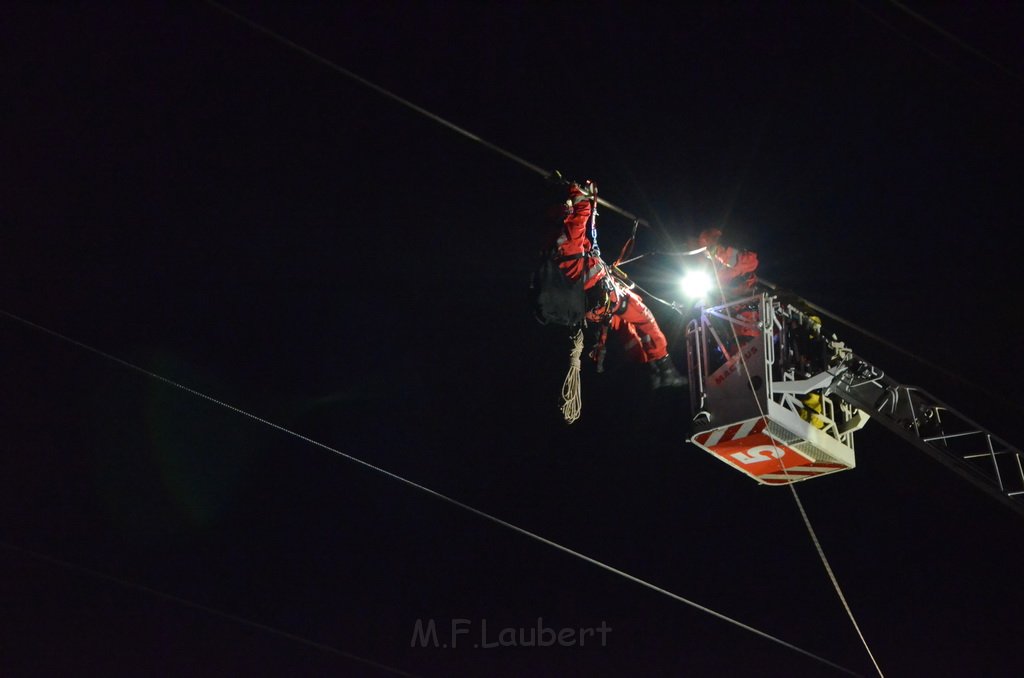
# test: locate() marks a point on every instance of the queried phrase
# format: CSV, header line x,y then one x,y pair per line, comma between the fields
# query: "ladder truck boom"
x,y
935,428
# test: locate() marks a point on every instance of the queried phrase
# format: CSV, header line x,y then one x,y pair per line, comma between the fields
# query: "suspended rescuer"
x,y
597,294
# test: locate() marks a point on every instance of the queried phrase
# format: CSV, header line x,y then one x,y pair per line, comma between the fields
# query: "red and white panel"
x,y
746,447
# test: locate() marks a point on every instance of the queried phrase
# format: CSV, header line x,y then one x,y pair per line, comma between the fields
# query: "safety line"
x,y
785,471
425,489
405,102
199,606
686,253
831,574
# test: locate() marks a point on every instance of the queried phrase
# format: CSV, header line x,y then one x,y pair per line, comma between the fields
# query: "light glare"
x,y
695,284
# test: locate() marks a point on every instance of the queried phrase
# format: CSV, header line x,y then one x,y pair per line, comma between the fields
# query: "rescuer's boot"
x,y
664,374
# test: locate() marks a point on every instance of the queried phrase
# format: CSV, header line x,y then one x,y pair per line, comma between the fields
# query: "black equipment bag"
x,y
555,299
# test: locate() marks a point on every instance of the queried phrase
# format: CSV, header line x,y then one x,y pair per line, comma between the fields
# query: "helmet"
x,y
709,237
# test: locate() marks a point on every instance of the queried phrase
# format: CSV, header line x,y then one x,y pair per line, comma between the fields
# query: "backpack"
x,y
554,298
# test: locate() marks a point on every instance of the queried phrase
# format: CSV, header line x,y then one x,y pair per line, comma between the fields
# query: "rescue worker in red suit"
x,y
734,269
608,299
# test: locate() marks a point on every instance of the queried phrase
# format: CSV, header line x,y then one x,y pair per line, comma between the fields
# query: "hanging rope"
x,y
424,489
627,247
832,576
796,497
572,403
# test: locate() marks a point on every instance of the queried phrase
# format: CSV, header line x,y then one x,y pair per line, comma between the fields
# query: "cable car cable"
x,y
408,104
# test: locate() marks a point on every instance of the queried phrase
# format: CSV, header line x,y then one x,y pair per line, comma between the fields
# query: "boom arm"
x,y
935,428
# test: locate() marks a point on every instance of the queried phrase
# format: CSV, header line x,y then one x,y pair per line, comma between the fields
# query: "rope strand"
x,y
796,497
832,576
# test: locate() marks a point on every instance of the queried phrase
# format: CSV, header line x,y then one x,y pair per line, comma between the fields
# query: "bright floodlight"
x,y
696,284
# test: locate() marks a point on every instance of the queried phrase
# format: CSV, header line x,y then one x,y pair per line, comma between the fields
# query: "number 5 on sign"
x,y
756,454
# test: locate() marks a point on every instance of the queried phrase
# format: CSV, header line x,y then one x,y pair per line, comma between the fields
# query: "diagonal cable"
x,y
424,489
405,102
954,39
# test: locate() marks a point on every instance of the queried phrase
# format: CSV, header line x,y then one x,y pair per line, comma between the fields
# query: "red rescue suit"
x,y
734,263
614,303
735,270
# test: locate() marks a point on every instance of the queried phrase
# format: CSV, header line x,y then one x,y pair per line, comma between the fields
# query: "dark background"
x,y
191,196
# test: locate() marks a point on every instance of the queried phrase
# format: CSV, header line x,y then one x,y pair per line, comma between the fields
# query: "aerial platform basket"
x,y
759,392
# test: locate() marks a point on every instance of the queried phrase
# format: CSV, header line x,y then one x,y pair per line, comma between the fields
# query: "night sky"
x,y
186,194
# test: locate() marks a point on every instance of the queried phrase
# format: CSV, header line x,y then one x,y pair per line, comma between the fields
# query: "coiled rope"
x,y
572,403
